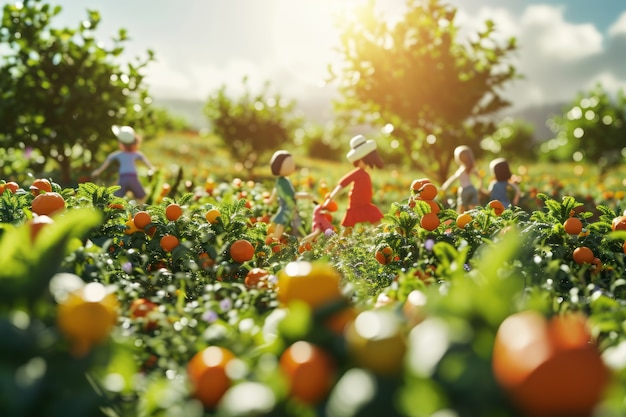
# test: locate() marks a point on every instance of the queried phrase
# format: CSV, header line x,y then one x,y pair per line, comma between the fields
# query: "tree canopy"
x,y
425,89
251,125
61,90
591,128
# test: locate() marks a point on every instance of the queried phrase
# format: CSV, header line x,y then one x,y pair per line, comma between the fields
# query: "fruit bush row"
x,y
185,307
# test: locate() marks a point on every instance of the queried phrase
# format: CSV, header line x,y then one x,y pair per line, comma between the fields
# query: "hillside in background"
x,y
319,109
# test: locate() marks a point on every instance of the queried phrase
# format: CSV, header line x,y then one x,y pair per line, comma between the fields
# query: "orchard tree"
x,y
252,125
61,90
425,89
591,129
513,139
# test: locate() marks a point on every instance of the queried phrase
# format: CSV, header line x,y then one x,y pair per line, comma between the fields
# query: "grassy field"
x,y
202,157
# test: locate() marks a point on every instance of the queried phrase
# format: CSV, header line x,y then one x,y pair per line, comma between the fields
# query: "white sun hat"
x,y
360,147
124,134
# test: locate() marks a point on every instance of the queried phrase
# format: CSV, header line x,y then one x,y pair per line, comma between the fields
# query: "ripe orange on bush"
x,y
573,226
384,255
497,206
619,223
309,370
12,186
38,223
241,250
548,366
430,221
48,203
142,219
463,219
39,185
141,308
208,376
314,283
169,242
173,212
583,255
419,183
254,276
428,191
212,215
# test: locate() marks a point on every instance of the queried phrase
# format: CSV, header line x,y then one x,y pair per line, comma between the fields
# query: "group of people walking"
x,y
363,155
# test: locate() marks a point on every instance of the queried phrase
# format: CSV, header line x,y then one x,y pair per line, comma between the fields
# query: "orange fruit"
x,y
48,203
573,226
463,219
413,308
583,255
38,223
207,373
12,186
314,283
141,308
39,185
254,276
619,223
434,206
497,206
173,212
419,183
241,250
428,191
142,219
169,242
309,371
549,367
212,215
430,221
87,316
384,255
337,322
131,227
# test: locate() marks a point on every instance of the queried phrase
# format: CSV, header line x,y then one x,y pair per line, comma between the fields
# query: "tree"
x,y
252,125
428,91
513,139
592,128
60,90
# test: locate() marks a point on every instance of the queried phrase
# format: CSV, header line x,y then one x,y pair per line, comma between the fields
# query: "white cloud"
x,y
619,27
545,27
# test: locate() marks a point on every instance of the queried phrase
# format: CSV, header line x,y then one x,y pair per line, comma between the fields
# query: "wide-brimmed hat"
x,y
360,147
124,134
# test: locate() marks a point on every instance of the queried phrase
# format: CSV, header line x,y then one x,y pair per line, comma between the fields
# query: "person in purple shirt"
x,y
126,157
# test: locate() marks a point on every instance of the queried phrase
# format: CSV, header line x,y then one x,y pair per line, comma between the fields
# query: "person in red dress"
x,y
363,155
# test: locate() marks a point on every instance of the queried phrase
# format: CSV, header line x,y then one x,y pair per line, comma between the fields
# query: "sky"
x,y
565,46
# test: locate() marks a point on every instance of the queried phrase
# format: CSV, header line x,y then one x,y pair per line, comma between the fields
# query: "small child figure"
x,y
501,184
321,222
363,155
126,156
467,195
282,165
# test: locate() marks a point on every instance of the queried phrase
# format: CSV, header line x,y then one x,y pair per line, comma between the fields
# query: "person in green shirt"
x,y
283,165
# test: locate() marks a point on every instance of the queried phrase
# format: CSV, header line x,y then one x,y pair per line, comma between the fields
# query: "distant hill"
x,y
319,109
190,110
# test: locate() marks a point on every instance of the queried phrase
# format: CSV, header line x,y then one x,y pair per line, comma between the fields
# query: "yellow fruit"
x,y
376,342
314,283
87,316
212,215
